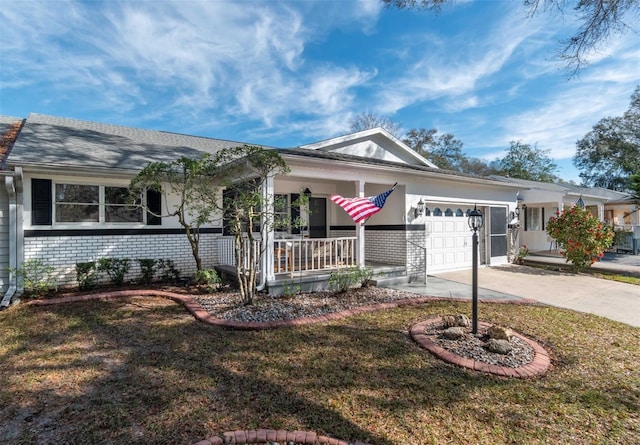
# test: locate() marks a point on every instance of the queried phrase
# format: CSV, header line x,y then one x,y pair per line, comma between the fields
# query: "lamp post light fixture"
x,y
476,220
419,211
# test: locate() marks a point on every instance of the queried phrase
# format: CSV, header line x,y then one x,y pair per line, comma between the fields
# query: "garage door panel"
x,y
448,243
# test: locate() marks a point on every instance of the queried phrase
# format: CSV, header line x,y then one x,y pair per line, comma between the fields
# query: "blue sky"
x,y
288,73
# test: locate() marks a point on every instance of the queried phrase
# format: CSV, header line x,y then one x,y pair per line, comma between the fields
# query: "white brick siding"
x,y
4,240
63,252
388,247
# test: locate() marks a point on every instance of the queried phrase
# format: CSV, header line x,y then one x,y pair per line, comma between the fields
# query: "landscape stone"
x,y
448,321
498,346
462,320
499,333
453,333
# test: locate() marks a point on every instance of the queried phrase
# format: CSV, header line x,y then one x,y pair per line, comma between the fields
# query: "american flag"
x,y
580,202
362,208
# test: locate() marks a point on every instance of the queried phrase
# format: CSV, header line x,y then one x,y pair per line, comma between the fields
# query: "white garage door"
x,y
448,243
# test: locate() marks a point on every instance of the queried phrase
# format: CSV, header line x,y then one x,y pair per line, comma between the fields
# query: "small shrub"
x,y
37,276
168,271
365,276
116,268
343,279
522,253
86,275
289,289
208,278
147,270
581,236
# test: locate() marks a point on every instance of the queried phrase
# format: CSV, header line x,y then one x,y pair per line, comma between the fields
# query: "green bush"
x,y
168,271
582,237
116,268
37,276
343,279
289,289
86,275
208,278
147,270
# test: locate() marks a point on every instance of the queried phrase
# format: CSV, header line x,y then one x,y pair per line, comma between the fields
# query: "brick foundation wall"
x,y
386,246
63,252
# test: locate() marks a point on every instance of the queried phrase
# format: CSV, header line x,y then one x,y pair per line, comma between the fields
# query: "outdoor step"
x,y
387,281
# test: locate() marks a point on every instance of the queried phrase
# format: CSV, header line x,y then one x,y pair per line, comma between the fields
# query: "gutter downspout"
x,y
9,184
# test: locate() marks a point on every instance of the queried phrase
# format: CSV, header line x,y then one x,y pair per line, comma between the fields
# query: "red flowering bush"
x,y
581,236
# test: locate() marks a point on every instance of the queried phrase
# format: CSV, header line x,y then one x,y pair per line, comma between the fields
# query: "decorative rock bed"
x,y
520,358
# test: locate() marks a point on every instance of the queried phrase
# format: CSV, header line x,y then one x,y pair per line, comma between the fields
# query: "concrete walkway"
x,y
584,293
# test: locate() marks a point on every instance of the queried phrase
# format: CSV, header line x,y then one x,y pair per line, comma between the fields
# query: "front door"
x,y
317,217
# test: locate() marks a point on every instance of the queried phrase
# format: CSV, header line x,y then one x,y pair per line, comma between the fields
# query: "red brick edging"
x,y
537,367
264,436
204,316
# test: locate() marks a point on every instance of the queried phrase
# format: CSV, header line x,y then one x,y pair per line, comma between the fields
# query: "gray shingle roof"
x,y
56,141
7,123
594,192
330,155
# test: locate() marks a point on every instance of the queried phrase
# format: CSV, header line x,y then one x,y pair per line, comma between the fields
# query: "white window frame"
x,y
101,207
534,219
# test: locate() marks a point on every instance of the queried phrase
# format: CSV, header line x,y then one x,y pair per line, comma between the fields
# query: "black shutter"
x,y
41,202
154,204
295,214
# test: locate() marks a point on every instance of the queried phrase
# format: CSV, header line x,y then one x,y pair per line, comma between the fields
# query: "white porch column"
x,y
360,228
601,212
268,190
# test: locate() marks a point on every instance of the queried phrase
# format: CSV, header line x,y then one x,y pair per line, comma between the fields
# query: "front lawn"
x,y
143,371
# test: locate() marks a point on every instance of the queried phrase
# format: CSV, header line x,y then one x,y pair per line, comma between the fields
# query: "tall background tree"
x,y
598,21
367,120
443,149
526,162
609,154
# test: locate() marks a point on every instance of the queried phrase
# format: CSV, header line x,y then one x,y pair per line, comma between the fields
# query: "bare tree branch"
x,y
599,21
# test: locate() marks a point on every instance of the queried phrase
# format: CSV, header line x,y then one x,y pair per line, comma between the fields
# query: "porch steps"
x,y
389,274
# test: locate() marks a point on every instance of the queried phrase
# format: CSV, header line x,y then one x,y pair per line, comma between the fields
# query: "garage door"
x,y
448,240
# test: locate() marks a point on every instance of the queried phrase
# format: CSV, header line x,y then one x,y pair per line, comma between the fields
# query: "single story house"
x,y
64,183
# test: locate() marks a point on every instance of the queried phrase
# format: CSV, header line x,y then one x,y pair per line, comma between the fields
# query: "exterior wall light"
x,y
419,210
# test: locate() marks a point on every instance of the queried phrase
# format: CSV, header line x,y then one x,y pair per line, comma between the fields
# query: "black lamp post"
x,y
476,220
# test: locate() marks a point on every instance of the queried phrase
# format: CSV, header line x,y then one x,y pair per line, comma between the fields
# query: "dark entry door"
x,y
318,217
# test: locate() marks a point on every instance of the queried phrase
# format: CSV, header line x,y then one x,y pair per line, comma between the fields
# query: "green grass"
x,y
620,278
143,371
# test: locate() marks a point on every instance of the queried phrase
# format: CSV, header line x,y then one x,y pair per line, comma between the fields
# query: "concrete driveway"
x,y
611,299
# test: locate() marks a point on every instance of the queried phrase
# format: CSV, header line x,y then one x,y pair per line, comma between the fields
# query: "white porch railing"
x,y
300,254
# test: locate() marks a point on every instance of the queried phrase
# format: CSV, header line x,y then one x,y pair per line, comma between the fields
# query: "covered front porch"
x,y
306,264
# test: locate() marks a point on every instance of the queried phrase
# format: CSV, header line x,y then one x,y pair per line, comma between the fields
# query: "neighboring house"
x,y
73,174
539,201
